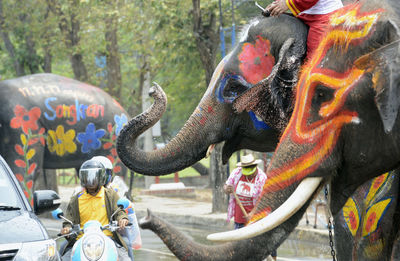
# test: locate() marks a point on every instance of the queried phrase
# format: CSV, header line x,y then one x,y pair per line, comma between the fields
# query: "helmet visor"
x,y
90,177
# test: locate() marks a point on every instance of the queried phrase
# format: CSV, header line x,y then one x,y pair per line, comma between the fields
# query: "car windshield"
x,y
8,193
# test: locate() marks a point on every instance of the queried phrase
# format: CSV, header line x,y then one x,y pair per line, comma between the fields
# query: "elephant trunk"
x,y
184,248
186,148
254,248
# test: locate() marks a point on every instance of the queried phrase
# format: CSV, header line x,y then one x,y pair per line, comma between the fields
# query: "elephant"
x,y
344,128
247,98
265,51
53,122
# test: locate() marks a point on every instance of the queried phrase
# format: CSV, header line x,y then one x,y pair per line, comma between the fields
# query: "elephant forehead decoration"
x,y
347,27
255,63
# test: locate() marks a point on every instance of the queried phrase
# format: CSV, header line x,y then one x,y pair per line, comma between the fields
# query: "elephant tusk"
x,y
299,197
209,150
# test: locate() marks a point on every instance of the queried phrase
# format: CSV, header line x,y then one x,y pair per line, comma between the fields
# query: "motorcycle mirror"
x,y
45,200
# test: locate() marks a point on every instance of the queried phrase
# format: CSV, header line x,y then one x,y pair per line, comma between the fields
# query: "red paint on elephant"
x,y
370,221
29,184
32,168
25,119
20,163
20,177
203,120
256,60
319,136
347,27
353,220
378,181
19,149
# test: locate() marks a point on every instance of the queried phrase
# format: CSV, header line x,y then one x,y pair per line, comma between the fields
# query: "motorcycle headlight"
x,y
93,247
40,250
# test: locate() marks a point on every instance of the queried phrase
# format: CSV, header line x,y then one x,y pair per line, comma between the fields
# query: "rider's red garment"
x,y
315,14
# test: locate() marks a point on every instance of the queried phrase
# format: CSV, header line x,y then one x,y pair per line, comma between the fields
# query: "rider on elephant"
x,y
314,13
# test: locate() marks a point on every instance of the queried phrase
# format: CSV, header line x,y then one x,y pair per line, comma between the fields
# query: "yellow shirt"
x,y
93,208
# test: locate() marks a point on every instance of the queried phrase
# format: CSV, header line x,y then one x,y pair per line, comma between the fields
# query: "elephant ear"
x,y
386,80
271,98
385,64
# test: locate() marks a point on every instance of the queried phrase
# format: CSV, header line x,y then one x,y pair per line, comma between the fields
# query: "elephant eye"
x,y
231,86
235,86
322,94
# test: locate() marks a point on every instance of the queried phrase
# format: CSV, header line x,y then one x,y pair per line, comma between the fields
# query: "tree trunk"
x,y
207,41
146,103
32,59
47,60
78,67
70,30
18,65
46,36
218,176
113,61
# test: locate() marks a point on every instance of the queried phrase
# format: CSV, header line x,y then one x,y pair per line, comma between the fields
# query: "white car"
x,y
22,235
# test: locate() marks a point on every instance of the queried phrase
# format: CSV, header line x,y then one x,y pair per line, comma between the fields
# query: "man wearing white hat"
x,y
245,184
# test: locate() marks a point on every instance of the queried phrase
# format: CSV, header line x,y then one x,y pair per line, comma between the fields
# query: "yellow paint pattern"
x,y
61,142
373,216
377,183
351,216
30,154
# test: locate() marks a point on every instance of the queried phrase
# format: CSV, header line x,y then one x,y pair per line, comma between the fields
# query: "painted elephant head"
x,y
344,126
269,54
53,122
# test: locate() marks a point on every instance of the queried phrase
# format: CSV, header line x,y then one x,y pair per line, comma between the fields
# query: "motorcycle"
x,y
94,244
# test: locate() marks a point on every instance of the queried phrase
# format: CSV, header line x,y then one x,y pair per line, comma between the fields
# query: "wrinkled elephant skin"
x,y
53,122
344,127
266,56
316,137
266,51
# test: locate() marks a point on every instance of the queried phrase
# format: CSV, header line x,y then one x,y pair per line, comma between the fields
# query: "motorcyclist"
x,y
95,202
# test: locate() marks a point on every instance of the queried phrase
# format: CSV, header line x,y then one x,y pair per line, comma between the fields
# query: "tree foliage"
x,y
67,37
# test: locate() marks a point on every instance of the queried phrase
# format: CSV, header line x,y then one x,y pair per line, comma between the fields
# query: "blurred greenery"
x,y
161,30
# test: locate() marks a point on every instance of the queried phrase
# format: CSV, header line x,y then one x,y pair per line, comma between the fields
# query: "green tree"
x,y
68,14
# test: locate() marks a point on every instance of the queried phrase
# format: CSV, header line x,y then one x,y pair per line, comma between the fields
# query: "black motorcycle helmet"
x,y
92,174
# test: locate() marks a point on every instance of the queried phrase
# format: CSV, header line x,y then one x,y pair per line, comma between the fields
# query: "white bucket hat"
x,y
248,160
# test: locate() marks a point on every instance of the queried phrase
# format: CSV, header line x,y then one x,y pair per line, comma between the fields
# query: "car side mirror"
x,y
45,200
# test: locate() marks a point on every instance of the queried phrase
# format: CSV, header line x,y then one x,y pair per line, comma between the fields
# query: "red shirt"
x,y
245,192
